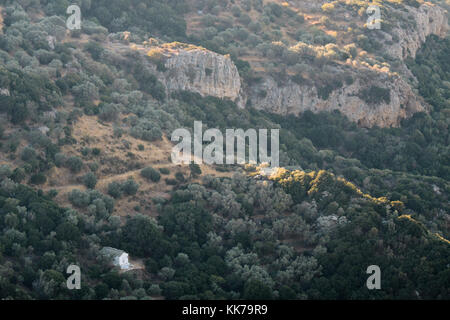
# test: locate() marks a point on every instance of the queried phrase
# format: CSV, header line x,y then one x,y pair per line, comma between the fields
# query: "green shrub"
x,y
108,112
115,189
171,182
60,160
130,187
90,180
94,49
93,166
85,151
52,193
79,199
75,164
330,85
18,175
180,176
375,95
151,174
96,151
164,171
28,154
195,169
5,171
236,11
38,178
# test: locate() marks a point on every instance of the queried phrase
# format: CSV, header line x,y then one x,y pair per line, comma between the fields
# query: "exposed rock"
x,y
51,42
194,69
187,68
44,130
292,98
295,99
429,18
203,72
5,92
327,223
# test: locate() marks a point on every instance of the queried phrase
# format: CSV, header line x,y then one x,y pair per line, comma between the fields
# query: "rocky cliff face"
x,y
203,72
429,19
294,99
210,74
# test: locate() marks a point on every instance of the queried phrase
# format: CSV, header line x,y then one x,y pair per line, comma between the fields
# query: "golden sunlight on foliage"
x,y
442,238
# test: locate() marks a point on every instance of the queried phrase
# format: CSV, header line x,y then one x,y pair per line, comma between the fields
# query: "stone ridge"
x,y
203,72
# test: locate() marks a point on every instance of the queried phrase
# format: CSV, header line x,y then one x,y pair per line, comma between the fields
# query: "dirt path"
x,y
114,166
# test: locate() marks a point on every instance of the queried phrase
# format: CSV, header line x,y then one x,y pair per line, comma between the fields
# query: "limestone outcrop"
x,y
292,98
204,72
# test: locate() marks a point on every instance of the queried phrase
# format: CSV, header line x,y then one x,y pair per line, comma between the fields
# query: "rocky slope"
x,y
203,72
291,98
429,19
294,99
196,69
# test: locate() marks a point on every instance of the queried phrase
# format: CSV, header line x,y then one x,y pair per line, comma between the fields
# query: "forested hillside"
x,y
85,123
